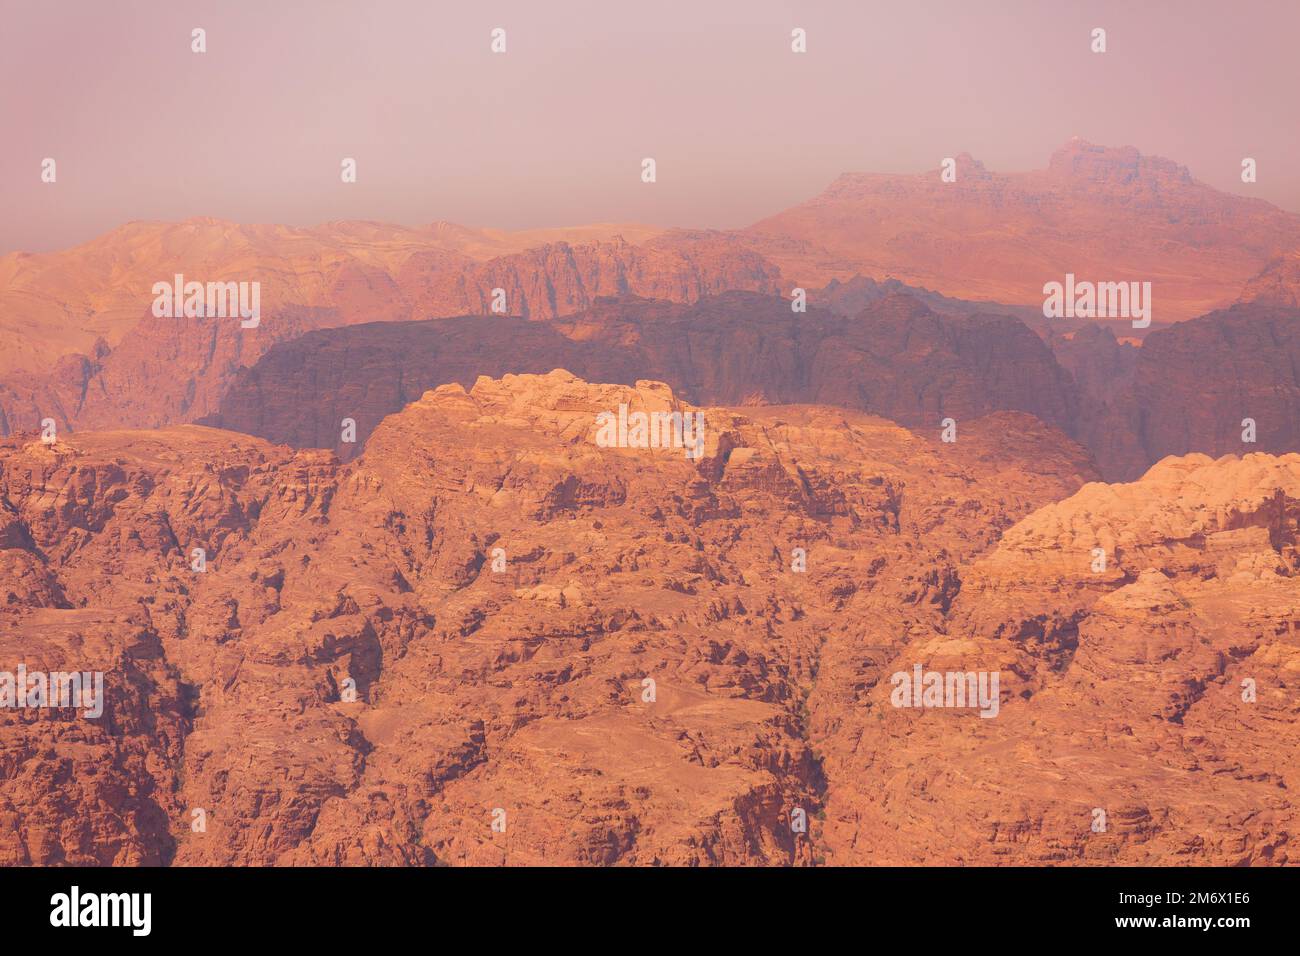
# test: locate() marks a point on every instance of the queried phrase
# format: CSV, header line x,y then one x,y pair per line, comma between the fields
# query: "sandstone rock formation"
x,y
1187,389
859,293
1101,213
379,583
384,657
1197,382
80,345
1156,696
475,689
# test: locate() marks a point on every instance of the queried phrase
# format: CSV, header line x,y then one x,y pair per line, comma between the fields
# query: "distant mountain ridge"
x,y
897,358
1102,213
65,303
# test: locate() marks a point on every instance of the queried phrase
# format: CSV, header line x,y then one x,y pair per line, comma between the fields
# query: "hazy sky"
x,y
553,131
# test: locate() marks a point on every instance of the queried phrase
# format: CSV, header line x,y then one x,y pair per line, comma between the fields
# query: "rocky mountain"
x,y
1152,708
97,296
89,354
172,371
618,656
1196,384
897,359
1104,214
398,578
1188,389
858,293
81,347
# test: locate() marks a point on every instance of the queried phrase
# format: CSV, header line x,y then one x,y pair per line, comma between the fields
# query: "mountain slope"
x,y
514,681
100,293
1101,213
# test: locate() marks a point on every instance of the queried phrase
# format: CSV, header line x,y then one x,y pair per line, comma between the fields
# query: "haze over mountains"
x,y
1101,213
394,637
62,303
81,347
1104,214
897,359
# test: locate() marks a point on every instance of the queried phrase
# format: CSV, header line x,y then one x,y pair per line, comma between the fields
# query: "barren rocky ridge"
x,y
479,635
521,689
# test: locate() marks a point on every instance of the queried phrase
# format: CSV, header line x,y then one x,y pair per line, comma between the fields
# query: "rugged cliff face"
x,y
1152,686
1277,284
483,679
1197,382
65,302
1187,389
79,343
897,360
490,616
94,577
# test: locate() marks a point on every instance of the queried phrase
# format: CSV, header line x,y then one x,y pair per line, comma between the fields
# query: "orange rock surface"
x,y
384,658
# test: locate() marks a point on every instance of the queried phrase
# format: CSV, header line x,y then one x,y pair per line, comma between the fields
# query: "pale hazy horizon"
x,y
552,132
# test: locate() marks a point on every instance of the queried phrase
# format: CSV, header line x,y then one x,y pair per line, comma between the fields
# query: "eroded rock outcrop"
x,y
631,655
1149,694
364,678
1198,382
